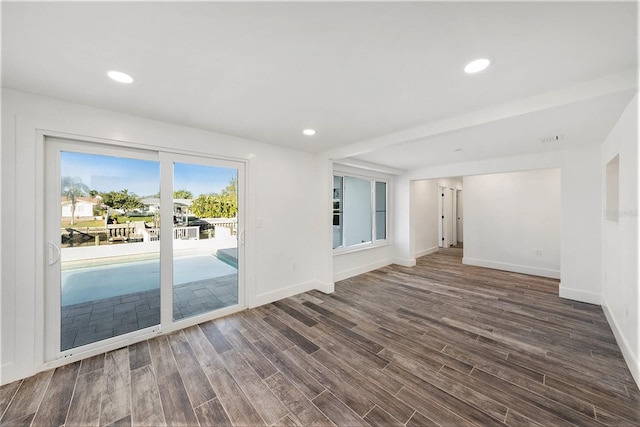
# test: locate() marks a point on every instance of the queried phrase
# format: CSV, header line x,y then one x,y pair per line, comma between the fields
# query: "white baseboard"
x,y
405,262
269,297
524,269
579,295
326,288
427,251
632,360
342,275
7,375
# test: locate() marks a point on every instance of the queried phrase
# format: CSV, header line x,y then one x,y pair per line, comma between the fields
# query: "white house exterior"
x,y
84,207
152,204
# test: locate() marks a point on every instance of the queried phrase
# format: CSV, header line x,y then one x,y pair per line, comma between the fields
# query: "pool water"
x,y
94,283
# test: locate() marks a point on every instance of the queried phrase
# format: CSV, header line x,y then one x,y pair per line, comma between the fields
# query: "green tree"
x,y
73,187
214,206
205,206
223,205
121,200
182,194
232,188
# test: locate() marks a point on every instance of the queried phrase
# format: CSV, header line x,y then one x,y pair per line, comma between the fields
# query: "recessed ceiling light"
x,y
477,65
309,132
120,77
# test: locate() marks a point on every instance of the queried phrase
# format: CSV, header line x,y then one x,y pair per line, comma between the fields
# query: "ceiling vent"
x,y
552,138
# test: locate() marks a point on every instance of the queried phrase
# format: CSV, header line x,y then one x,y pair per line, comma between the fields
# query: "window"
x,y
359,211
381,210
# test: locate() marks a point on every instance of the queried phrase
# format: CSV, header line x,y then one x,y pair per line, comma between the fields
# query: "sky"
x,y
142,177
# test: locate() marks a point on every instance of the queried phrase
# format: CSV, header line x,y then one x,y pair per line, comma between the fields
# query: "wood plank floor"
x,y
437,344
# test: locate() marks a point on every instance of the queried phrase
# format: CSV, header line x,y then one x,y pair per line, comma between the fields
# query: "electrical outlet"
x,y
538,253
294,266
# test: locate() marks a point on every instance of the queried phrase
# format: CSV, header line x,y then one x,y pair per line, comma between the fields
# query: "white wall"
x,y
351,264
512,221
620,293
283,224
323,209
581,235
2,205
424,212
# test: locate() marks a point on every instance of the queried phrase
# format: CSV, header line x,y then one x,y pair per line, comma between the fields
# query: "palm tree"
x,y
73,187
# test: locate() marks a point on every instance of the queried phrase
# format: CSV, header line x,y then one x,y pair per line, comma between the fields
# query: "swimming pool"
x,y
94,283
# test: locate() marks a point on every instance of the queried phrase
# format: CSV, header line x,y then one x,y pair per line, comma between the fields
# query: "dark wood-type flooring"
x,y
437,344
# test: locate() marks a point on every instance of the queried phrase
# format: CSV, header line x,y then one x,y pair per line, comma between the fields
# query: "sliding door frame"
x,y
44,355
54,147
167,160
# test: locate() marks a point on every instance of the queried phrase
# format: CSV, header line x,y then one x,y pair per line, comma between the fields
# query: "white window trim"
x,y
375,243
361,247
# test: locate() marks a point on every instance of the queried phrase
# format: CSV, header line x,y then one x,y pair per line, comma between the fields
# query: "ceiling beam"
x,y
375,167
579,92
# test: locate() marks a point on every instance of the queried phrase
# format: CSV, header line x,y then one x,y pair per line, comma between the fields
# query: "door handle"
x,y
53,253
241,237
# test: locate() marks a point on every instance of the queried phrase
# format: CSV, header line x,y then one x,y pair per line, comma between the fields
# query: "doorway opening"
x,y
450,219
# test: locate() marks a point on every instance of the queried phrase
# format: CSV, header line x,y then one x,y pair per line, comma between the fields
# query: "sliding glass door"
x,y
205,244
137,242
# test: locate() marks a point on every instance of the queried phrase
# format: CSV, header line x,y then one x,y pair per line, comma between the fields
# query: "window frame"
x,y
375,241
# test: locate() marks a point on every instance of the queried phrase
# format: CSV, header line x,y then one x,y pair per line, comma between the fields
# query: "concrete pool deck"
x,y
93,321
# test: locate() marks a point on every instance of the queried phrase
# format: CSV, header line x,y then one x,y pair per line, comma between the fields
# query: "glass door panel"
x,y
205,244
108,231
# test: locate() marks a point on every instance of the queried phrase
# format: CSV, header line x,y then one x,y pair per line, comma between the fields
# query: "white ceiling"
x,y
577,124
353,71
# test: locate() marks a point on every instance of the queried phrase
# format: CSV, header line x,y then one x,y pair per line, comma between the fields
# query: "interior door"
x,y
448,213
459,216
454,215
441,219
